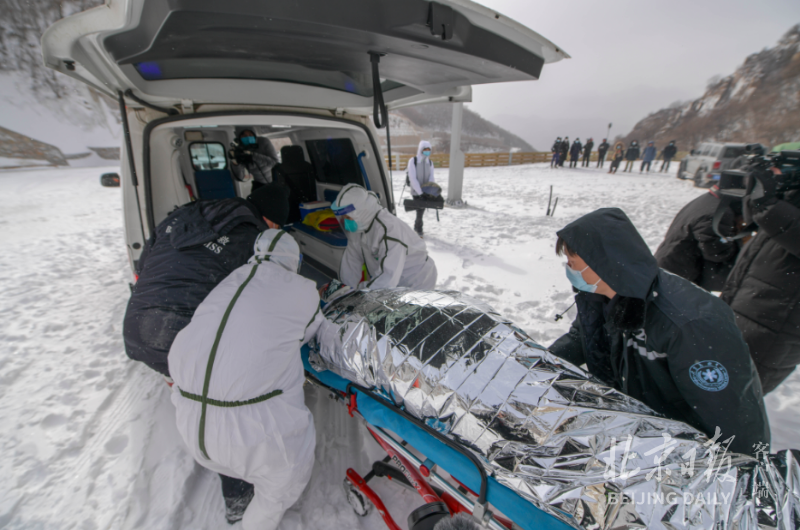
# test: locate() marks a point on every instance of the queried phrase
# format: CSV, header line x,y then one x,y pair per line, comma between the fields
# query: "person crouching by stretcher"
x,y
393,254
238,375
656,336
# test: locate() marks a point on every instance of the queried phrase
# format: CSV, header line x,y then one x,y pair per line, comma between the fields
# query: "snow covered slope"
x,y
88,438
757,103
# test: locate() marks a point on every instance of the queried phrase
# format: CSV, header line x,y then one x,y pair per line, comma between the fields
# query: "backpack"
x,y
408,182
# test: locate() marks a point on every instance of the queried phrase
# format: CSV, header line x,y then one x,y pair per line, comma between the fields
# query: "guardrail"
x,y
494,159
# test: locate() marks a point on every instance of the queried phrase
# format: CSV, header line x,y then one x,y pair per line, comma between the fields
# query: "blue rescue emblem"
x,y
709,375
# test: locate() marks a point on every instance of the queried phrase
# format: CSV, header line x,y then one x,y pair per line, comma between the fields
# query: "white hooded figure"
x,y
420,173
420,168
238,376
393,254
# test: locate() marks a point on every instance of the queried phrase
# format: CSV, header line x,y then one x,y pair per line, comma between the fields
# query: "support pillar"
x,y
455,181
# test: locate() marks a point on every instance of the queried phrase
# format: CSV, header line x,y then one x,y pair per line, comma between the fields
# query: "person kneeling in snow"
x,y
238,390
655,336
393,254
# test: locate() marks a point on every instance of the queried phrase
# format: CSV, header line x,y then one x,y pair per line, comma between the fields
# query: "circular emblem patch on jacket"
x,y
709,375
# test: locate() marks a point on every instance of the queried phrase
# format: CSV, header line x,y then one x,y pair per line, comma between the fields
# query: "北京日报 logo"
x,y
709,375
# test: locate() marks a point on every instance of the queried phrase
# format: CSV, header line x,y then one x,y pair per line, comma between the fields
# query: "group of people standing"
x,y
562,149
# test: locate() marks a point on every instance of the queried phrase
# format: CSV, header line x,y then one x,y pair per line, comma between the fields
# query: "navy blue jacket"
x,y
192,250
661,339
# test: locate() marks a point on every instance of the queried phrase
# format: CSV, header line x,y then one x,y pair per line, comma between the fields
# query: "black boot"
x,y
237,494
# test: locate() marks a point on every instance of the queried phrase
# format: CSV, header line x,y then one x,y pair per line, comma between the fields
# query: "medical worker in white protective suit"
x,y
393,254
420,172
238,377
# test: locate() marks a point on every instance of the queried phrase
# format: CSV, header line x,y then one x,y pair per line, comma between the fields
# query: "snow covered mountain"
x,y
44,106
760,102
432,123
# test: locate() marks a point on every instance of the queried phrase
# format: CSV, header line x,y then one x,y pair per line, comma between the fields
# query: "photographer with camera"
x,y
254,157
763,288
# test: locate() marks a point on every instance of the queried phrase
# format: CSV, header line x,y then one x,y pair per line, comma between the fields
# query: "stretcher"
x,y
450,478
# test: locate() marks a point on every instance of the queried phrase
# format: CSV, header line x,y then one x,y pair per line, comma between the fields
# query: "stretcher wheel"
x,y
361,505
426,516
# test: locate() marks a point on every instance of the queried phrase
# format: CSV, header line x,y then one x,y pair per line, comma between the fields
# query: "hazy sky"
x,y
629,58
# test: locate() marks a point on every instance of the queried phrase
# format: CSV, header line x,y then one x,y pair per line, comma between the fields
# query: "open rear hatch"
x,y
310,53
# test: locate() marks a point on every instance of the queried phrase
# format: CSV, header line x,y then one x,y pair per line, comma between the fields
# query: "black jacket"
x,y
602,149
564,148
587,149
693,251
669,151
764,291
556,147
661,339
575,150
632,153
193,249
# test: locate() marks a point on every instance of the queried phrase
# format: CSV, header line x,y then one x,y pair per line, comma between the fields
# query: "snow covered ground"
x,y
88,438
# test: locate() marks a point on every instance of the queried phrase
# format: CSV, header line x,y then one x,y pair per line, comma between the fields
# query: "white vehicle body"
x,y
299,73
705,163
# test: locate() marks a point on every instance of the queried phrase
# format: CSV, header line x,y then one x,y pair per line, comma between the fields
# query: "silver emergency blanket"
x,y
577,449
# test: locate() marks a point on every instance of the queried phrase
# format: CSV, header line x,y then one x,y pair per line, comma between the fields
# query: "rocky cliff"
x,y
760,102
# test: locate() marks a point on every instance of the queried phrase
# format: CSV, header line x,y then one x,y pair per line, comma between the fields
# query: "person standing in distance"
x,y
602,149
667,154
587,152
420,172
631,155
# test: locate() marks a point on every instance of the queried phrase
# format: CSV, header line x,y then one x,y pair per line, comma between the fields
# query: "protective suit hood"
x,y
609,243
276,246
365,203
422,145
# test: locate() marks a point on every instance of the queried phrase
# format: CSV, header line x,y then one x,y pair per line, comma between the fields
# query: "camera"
x,y
240,152
737,182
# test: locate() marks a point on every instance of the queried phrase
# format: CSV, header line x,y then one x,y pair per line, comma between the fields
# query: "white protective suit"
x,y
420,173
243,345
394,255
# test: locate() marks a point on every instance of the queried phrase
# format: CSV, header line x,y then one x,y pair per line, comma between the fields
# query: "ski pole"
x,y
401,194
548,202
554,208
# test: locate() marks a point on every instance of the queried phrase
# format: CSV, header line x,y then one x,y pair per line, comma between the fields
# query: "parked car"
x,y
307,75
705,163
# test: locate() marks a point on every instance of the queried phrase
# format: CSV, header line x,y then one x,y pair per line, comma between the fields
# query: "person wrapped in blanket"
x,y
394,256
238,392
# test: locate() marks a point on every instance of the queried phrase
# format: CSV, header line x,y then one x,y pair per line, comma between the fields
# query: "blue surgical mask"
x,y
350,225
426,152
248,140
577,281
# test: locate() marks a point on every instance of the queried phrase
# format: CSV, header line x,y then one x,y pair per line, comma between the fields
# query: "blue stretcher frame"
x,y
508,502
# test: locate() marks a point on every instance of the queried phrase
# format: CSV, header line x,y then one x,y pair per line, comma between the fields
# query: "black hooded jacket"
x,y
193,249
602,149
692,250
661,339
575,150
669,151
587,149
764,291
632,153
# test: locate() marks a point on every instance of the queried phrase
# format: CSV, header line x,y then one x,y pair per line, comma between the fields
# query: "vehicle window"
x,y
208,155
714,151
335,161
706,150
733,152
